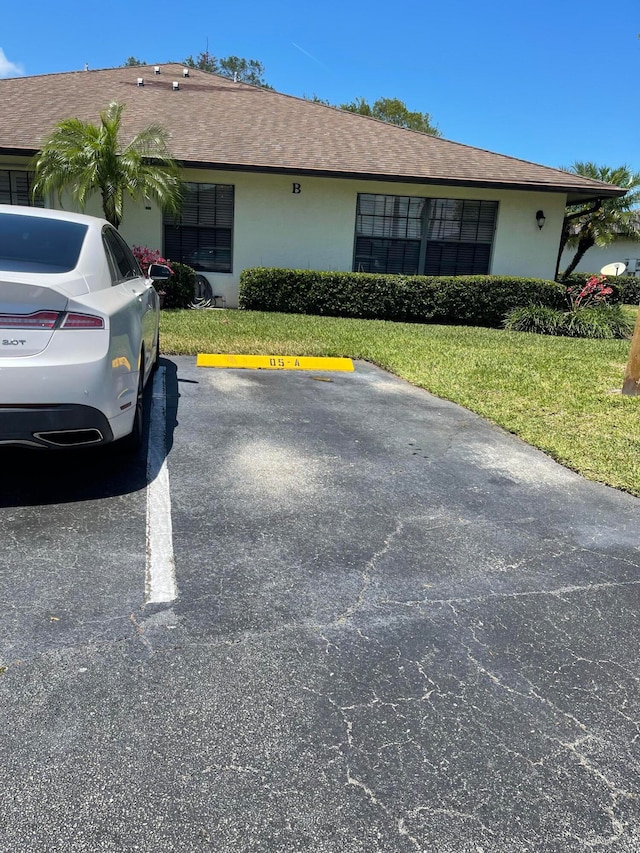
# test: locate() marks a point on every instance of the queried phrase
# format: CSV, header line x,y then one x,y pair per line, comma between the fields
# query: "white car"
x,y
78,331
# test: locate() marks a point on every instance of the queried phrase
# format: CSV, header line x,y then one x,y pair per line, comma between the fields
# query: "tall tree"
x,y
84,158
606,221
133,62
316,99
234,67
205,61
393,111
244,70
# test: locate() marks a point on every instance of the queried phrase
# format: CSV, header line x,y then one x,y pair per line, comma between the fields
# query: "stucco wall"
x,y
596,257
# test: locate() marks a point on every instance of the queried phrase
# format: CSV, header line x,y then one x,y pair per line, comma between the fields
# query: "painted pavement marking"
x,y
160,580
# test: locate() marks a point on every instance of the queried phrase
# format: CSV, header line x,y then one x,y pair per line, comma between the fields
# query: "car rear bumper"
x,y
52,426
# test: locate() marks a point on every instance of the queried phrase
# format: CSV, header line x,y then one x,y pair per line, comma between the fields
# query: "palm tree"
x,y
84,158
608,220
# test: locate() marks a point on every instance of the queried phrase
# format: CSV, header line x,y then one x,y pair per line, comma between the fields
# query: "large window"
x,y
15,188
202,235
410,235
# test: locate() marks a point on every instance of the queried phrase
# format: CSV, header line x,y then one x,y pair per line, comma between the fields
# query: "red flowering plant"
x,y
145,257
593,292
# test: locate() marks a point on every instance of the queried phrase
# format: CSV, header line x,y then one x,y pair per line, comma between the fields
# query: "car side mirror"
x,y
159,272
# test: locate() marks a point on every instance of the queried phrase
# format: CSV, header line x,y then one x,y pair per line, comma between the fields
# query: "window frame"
x,y
16,192
462,238
109,236
213,227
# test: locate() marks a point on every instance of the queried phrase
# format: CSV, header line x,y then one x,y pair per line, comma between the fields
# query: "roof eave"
x,y
575,195
18,152
587,196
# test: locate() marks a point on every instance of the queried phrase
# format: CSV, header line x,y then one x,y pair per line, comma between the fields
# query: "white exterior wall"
x,y
315,228
520,246
141,224
596,257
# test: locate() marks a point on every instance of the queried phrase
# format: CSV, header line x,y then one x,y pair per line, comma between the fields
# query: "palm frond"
x,y
83,159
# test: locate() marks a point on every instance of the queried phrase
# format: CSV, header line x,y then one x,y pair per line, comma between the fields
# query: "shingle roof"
x,y
214,121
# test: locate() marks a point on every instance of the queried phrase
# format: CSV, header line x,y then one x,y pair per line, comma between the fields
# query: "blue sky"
x,y
552,81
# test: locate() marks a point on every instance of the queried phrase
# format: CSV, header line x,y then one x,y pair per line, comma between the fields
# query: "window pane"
x,y
387,256
5,187
457,258
462,219
389,216
21,186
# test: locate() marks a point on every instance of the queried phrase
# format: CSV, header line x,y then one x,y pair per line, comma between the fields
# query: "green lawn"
x,y
559,394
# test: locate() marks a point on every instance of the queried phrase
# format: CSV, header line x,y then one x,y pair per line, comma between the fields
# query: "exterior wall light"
x,y
540,219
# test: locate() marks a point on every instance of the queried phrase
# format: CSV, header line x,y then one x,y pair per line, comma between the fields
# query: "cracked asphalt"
x,y
398,629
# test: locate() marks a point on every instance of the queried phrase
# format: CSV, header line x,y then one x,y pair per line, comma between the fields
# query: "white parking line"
x,y
160,582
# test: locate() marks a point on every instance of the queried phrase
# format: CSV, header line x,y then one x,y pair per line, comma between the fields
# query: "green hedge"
x,y
482,300
180,288
630,290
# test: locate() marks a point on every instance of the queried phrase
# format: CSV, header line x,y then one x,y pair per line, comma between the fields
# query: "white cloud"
x,y
9,69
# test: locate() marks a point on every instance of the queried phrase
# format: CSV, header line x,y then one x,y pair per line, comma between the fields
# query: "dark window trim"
x,y
14,192
202,235
110,233
455,248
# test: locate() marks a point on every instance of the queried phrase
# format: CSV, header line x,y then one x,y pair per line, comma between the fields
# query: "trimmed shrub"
x,y
629,289
471,300
179,289
485,300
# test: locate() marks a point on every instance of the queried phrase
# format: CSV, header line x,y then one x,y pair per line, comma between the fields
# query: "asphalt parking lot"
x,y
379,624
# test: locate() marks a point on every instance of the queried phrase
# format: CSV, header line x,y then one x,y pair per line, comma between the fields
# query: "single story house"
x,y
275,180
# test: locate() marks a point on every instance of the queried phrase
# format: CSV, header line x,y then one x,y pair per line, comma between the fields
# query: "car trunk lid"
x,y
29,314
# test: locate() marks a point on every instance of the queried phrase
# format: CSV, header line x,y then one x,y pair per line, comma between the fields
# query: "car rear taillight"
x,y
39,320
51,320
82,321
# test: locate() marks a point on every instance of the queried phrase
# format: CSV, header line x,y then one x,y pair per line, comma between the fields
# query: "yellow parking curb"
x,y
273,362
